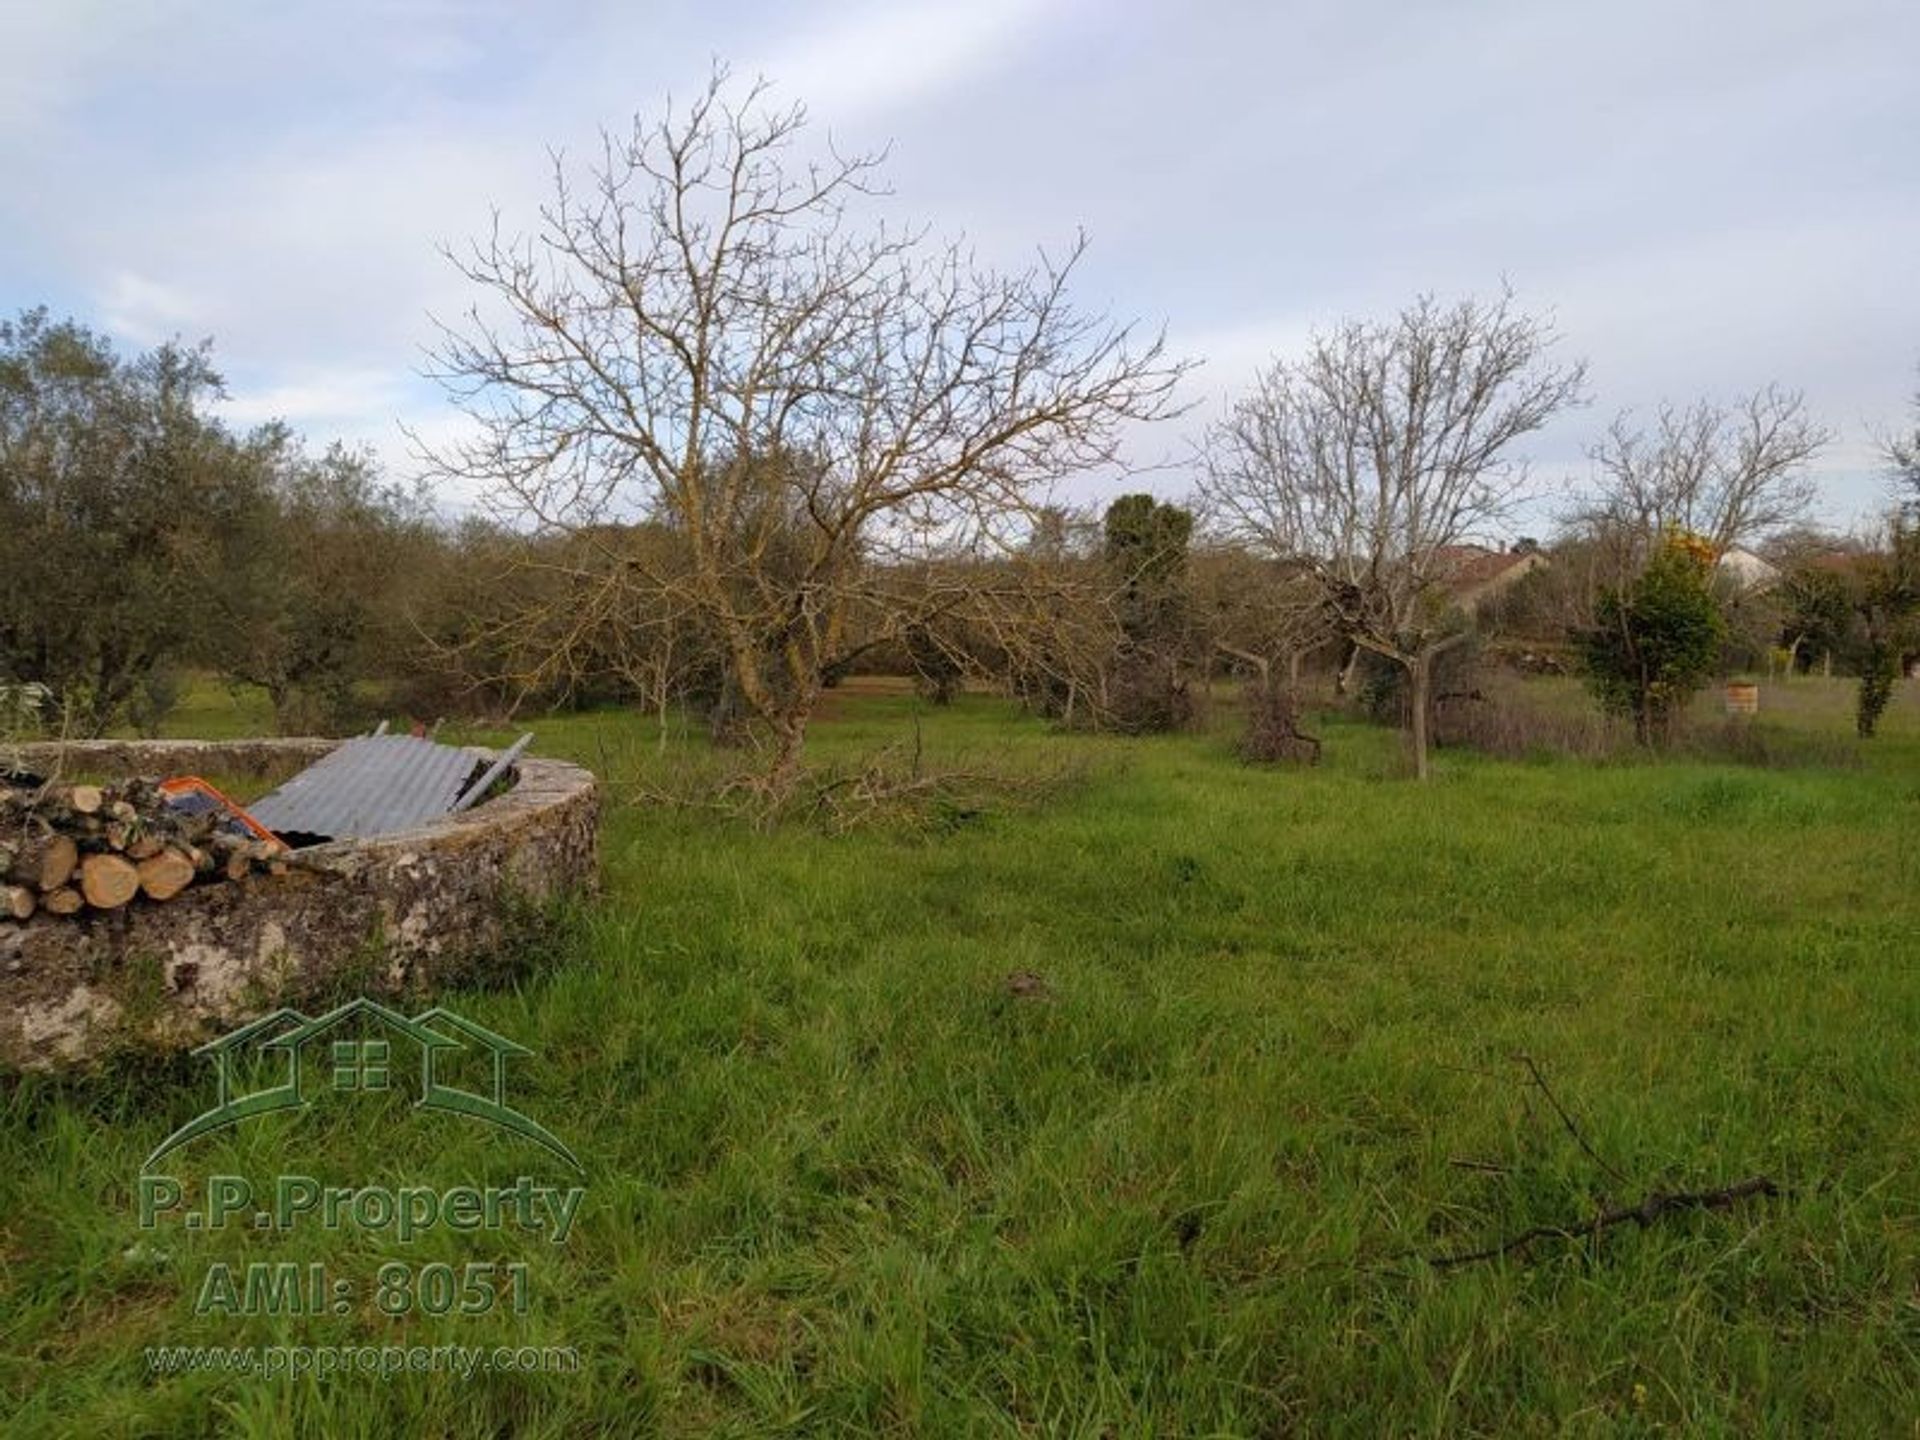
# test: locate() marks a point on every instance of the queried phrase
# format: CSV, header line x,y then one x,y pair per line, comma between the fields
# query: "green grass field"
x,y
843,1179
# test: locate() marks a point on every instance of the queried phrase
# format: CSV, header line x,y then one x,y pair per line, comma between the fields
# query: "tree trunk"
x,y
790,734
1344,685
1419,697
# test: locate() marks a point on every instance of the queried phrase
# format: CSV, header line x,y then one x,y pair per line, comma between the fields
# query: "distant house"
x,y
1474,574
1746,570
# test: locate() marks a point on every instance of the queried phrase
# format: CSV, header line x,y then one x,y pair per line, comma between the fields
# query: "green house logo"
x,y
389,1051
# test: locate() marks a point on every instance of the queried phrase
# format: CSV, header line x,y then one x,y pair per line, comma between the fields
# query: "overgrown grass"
x,y
843,1178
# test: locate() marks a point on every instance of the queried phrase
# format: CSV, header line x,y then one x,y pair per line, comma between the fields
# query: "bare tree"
x,y
1259,612
1386,444
700,334
1732,475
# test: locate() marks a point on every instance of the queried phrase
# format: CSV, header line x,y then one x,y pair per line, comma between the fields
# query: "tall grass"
x,y
843,1177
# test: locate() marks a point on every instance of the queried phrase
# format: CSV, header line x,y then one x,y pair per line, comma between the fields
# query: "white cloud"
x,y
886,56
51,54
147,311
1729,205
331,396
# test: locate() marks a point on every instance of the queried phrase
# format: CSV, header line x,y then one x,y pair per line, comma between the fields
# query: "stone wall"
x,y
390,915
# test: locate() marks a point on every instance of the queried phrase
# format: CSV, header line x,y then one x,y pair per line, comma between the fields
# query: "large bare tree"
x,y
699,333
1364,461
1730,474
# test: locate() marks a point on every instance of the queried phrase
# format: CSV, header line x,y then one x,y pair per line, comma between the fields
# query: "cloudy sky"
x,y
1708,194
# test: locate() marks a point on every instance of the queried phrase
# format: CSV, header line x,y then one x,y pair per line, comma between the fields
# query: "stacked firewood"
x,y
70,848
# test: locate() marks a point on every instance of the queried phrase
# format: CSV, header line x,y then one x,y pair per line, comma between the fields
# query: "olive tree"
x,y
1362,462
121,505
316,597
700,333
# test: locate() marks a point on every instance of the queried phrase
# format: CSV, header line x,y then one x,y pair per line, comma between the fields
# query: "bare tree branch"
x,y
1732,475
697,337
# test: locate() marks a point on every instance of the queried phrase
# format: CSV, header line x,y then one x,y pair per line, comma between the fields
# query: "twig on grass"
x,y
1540,1082
1657,1204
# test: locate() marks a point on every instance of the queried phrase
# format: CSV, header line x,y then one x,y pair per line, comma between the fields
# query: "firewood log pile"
x,y
73,849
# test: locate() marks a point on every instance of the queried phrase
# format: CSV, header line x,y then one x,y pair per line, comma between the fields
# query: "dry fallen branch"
x,y
1658,1203
1654,1206
894,786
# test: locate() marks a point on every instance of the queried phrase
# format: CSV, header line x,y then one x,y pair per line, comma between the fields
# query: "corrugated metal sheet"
x,y
375,785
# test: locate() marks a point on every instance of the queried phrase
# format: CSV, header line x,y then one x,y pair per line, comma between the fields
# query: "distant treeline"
x,y
141,538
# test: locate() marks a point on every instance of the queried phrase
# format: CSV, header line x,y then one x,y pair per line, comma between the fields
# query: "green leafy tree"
x,y
319,592
1886,598
1903,457
1656,640
120,500
1886,605
1818,613
1146,551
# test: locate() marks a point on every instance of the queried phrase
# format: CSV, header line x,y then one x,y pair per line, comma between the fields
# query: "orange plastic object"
x,y
194,785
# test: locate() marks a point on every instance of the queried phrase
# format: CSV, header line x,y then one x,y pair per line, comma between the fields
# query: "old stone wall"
x,y
390,915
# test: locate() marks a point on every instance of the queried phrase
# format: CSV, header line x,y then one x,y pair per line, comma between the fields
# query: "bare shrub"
x,y
897,788
894,790
1150,693
1497,716
1273,734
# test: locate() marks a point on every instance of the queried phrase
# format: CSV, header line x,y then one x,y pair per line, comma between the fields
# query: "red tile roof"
x,y
1468,567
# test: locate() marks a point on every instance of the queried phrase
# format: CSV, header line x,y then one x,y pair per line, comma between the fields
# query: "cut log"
x,y
86,799
165,875
144,846
64,901
57,866
17,902
238,864
46,863
109,881
123,812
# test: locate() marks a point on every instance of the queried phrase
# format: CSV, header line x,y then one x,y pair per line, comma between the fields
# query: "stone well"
x,y
391,914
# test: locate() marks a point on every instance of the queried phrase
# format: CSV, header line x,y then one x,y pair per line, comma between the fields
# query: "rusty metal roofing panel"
x,y
374,785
